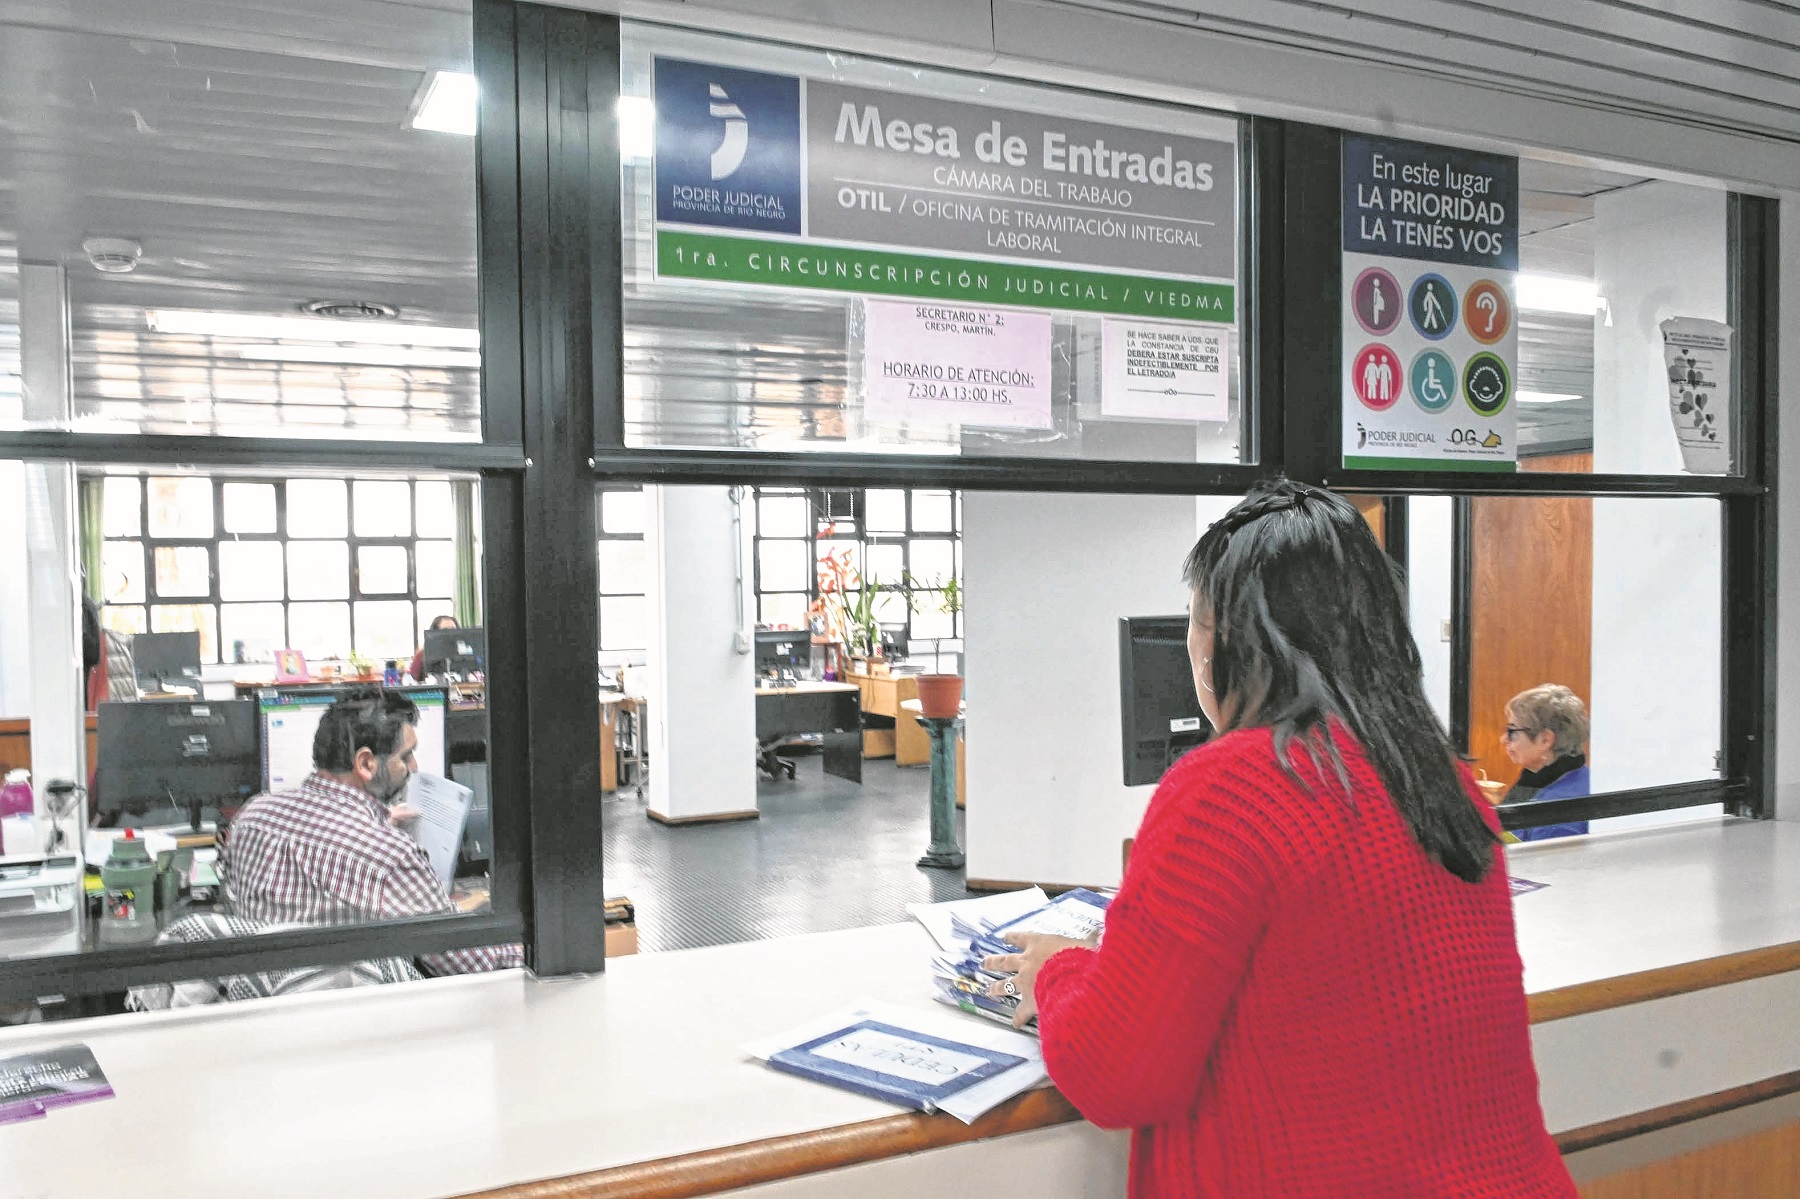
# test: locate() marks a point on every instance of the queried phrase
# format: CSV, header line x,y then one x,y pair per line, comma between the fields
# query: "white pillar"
x,y
702,676
1659,251
1048,577
58,748
1430,565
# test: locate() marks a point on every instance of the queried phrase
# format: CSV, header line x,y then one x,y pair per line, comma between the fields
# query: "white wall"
x,y
1659,252
702,687
15,629
1429,562
1048,577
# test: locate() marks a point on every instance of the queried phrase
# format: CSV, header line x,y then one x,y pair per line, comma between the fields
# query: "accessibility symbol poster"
x,y
1430,343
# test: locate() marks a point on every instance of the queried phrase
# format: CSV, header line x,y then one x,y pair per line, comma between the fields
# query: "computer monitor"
x,y
162,658
779,650
290,719
1158,709
455,651
176,753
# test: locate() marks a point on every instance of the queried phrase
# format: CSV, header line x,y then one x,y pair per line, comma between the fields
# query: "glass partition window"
x,y
624,572
1607,261
1027,271
257,565
329,290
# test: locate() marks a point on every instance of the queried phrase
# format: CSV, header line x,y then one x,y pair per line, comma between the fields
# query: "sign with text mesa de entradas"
x,y
1102,217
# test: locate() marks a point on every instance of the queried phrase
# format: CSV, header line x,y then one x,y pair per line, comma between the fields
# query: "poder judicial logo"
x,y
727,147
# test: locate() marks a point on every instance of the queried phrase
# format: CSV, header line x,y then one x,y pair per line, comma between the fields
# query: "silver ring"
x,y
1010,988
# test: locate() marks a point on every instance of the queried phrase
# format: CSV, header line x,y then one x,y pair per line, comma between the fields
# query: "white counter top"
x,y
456,1085
1626,902
451,1086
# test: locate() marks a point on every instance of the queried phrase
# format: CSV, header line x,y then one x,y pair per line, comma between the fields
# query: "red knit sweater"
x,y
1291,999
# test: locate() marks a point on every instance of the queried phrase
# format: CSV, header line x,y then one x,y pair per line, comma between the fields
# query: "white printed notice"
x,y
1697,354
956,364
1163,371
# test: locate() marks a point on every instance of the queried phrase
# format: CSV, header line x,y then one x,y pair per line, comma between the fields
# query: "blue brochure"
x,y
910,1068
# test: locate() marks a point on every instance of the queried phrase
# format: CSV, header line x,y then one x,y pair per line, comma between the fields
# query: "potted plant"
x,y
940,694
850,602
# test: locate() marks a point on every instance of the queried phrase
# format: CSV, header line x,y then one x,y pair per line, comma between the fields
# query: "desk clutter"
x,y
972,930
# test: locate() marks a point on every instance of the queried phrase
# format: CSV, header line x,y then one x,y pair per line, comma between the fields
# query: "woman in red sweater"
x,y
1308,984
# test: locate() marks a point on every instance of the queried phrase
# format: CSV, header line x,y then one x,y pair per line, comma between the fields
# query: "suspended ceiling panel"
x,y
1727,64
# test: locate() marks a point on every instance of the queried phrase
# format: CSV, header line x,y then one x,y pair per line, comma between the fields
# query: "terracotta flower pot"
x,y
940,695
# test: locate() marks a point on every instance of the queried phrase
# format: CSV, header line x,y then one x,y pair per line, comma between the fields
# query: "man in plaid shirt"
x,y
330,853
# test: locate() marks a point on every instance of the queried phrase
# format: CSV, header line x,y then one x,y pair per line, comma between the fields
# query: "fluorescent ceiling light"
x,y
201,323
637,126
363,356
448,105
1546,397
1559,293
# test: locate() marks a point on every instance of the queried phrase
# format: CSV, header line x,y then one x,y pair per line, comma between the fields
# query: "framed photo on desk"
x,y
290,666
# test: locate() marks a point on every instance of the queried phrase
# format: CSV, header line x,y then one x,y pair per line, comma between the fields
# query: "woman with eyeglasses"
x,y
1308,984
1546,732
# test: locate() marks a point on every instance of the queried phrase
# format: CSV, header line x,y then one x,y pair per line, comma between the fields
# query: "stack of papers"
x,y
981,932
916,1059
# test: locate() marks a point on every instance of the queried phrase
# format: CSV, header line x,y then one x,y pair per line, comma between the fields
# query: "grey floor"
x,y
826,854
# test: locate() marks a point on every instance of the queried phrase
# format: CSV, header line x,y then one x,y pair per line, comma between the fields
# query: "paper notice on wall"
x,y
1163,371
1697,355
956,364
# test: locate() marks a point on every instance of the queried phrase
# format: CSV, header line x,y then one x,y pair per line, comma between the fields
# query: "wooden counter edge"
x,y
714,1170
1662,982
1592,1136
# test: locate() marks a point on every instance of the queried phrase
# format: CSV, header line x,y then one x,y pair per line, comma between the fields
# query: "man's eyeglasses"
x,y
1513,730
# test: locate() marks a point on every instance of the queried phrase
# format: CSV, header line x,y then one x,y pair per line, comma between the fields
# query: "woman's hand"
x,y
1034,950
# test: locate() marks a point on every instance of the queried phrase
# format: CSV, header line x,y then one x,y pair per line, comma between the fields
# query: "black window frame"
x,y
548,183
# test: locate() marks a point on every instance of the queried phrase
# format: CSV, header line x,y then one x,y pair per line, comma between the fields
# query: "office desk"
x,y
886,695
833,709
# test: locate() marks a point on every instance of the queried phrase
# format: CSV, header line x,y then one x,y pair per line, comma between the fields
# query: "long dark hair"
x,y
1309,624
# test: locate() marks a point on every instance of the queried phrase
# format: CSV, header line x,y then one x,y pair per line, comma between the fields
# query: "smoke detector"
x,y
113,255
350,310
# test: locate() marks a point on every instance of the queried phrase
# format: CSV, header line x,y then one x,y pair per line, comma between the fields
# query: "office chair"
x,y
771,763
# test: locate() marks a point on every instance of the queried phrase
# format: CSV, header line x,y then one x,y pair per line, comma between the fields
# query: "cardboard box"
x,y
621,940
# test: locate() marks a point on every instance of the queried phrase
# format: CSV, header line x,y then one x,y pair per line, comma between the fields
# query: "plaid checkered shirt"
x,y
326,854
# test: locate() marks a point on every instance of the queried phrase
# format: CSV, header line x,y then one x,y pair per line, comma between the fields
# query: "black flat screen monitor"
x,y
783,649
455,651
1159,711
173,753
163,658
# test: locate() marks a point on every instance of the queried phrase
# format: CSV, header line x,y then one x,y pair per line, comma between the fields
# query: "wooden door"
x,y
1531,609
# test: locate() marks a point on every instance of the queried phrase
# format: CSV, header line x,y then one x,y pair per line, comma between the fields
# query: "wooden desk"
x,y
885,695
609,739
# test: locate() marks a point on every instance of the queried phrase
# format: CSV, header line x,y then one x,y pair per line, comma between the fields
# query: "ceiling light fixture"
x,y
637,126
1546,397
1559,293
363,356
446,103
200,323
